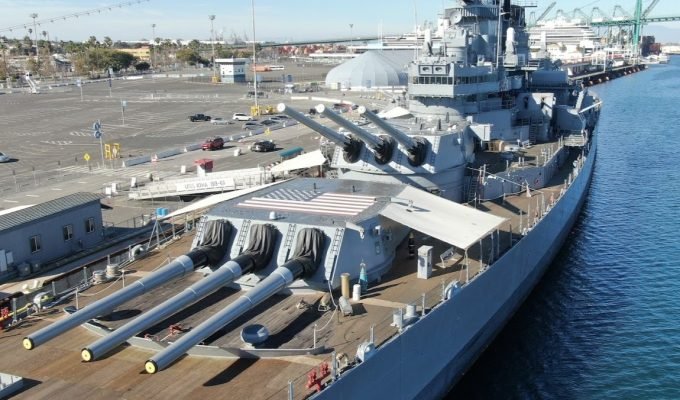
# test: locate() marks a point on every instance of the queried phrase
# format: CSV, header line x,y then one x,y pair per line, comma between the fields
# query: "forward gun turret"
x,y
255,257
212,249
305,261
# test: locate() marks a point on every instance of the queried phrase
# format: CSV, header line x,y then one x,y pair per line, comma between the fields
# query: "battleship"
x,y
385,280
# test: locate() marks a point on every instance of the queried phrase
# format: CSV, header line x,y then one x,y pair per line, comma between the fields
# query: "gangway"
x,y
213,182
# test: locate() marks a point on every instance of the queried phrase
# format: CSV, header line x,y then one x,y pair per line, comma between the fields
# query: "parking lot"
x,y
49,134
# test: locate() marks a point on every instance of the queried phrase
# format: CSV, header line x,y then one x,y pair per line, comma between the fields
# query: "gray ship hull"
x,y
429,357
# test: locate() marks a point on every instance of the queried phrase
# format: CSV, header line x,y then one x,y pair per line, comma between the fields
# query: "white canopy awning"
x,y
216,199
302,161
450,222
396,112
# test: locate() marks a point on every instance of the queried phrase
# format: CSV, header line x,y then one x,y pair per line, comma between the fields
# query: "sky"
x,y
275,20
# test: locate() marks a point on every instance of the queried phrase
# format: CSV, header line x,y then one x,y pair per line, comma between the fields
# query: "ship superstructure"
x,y
395,276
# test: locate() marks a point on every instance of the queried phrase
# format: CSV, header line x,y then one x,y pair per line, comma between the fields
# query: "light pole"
x,y
252,2
212,44
153,40
351,36
35,33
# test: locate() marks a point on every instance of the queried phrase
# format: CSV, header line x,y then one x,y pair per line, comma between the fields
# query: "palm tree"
x,y
92,42
3,47
28,43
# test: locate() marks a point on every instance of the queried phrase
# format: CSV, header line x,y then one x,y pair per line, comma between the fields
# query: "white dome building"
x,y
370,70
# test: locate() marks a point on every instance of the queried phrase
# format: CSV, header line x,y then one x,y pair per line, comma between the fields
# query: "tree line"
x,y
94,57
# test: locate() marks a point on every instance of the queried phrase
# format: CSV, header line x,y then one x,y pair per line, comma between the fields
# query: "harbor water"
x,y
604,323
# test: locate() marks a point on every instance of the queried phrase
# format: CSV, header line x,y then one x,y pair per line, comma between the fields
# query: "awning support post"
x,y
467,267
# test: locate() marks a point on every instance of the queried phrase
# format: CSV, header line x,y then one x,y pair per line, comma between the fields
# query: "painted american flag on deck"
x,y
308,201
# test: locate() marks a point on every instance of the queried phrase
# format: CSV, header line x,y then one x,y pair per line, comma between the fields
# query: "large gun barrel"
x,y
364,135
257,256
351,147
416,149
305,260
212,251
328,133
383,146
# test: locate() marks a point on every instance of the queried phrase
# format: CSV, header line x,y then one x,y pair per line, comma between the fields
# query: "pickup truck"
x,y
199,117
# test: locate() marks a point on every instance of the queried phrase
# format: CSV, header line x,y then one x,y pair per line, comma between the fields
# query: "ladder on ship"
x,y
242,234
200,226
533,132
333,253
287,243
474,184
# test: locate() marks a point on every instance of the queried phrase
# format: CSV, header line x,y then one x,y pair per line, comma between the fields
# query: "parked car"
x,y
280,117
199,117
213,144
241,117
4,157
269,122
220,121
263,146
252,125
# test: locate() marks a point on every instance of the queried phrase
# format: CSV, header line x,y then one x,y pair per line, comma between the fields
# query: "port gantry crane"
x,y
543,14
623,19
69,16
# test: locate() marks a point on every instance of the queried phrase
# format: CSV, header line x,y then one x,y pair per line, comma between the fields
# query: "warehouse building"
x,y
33,236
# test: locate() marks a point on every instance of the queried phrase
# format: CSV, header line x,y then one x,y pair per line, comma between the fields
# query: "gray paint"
x,y
179,267
432,354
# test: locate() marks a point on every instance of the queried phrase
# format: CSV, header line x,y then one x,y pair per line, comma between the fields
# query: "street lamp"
x,y
252,2
35,32
351,35
153,39
212,44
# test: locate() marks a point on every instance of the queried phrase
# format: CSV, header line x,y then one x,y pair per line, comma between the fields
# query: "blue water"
x,y
604,323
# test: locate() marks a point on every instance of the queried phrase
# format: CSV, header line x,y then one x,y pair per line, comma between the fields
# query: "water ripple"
x,y
604,321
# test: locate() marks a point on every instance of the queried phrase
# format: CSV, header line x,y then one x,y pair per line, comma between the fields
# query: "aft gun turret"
x,y
305,261
212,249
383,146
416,148
351,146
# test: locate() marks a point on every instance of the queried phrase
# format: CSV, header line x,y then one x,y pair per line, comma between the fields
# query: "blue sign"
x,y
96,129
